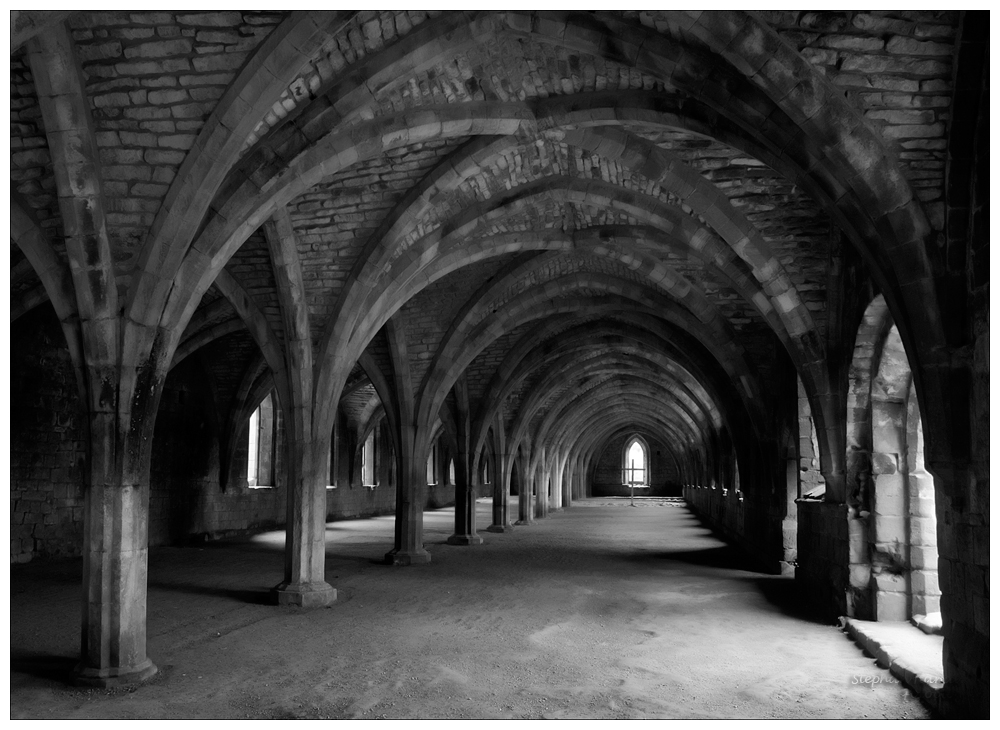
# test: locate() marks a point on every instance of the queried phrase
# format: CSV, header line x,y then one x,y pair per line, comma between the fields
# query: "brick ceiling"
x,y
494,181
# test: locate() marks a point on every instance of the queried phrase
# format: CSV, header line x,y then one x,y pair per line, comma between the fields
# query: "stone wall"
x,y
663,478
186,501
741,519
47,441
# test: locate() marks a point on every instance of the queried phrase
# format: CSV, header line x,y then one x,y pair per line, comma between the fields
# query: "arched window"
x,y
369,459
485,470
892,521
260,445
432,465
334,453
635,462
451,471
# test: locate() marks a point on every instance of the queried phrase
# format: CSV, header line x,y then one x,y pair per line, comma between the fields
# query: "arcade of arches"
x,y
432,257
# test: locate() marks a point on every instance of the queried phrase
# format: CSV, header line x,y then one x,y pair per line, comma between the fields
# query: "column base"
x,y
113,676
500,528
407,557
524,522
465,540
306,595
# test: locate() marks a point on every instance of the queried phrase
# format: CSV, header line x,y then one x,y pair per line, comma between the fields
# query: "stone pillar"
x,y
789,523
890,553
410,497
465,505
115,547
555,477
501,494
465,480
567,481
411,460
305,526
307,456
525,511
541,489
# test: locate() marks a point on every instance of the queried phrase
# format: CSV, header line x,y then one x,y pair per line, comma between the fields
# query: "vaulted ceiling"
x,y
597,221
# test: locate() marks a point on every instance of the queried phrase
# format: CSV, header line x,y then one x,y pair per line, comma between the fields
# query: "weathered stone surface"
x,y
586,227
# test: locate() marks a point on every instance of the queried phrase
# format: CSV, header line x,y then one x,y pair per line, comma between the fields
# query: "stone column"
x,y
305,526
525,513
558,490
115,547
501,495
541,481
306,463
889,512
410,498
567,481
465,505
411,460
465,480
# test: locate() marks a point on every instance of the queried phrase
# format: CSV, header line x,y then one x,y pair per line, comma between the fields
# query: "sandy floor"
x,y
602,611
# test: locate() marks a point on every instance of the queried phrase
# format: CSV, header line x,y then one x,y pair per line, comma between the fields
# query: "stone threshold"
x,y
910,655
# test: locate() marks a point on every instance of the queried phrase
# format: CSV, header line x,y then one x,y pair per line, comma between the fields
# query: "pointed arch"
x,y
635,460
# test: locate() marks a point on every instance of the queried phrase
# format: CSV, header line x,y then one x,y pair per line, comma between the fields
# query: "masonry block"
x,y
924,582
891,606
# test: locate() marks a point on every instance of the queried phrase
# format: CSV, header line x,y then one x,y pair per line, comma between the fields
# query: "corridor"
x,y
603,610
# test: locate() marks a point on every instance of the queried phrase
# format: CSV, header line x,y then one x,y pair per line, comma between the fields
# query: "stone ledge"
x,y
910,655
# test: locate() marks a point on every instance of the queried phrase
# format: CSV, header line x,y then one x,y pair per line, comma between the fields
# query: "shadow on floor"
x,y
782,593
723,557
256,596
43,666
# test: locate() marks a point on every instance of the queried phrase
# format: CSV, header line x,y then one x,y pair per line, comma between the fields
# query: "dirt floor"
x,y
600,611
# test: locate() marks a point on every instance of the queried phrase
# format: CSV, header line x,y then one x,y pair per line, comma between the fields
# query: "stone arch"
x,y
646,332
463,344
892,525
248,99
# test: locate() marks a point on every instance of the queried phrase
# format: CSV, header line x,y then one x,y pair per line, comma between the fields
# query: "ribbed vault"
x,y
516,235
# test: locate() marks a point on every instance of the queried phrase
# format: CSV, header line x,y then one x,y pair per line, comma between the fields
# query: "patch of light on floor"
x,y
274,538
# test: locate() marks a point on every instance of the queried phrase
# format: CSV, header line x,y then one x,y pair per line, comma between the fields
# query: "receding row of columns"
x,y
551,484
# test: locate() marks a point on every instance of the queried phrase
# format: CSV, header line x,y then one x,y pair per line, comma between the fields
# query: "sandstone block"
x,y
901,116
924,582
219,19
135,33
168,96
891,606
218,63
889,529
892,65
914,130
152,68
923,557
160,49
177,141
217,36
853,43
911,47
99,51
121,156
